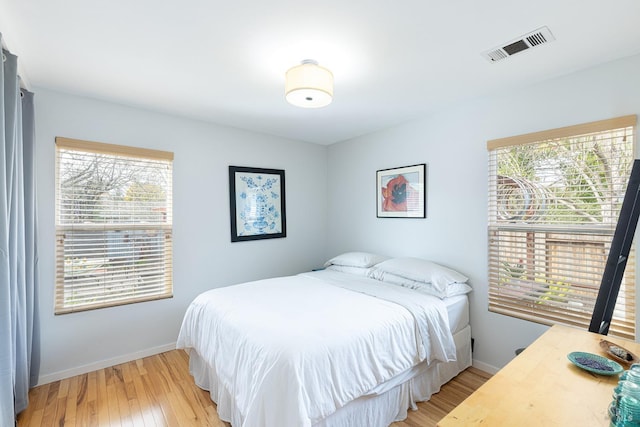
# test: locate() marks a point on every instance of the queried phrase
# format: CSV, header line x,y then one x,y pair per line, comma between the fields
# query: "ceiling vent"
x,y
535,38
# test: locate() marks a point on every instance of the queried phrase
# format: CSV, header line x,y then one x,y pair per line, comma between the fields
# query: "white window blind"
x,y
113,225
554,201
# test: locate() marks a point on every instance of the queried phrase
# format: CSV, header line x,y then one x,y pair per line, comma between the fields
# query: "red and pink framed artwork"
x,y
401,192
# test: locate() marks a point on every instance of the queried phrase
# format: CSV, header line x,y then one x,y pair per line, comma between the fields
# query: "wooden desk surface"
x,y
541,387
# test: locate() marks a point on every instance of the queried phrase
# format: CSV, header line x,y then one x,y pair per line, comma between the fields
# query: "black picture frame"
x,y
402,192
257,203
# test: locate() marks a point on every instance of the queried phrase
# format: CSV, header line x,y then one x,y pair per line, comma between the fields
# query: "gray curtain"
x,y
19,321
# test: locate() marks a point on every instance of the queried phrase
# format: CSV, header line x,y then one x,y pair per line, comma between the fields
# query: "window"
x,y
554,201
113,225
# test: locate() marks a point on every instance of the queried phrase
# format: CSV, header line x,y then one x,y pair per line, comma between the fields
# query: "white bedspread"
x,y
292,350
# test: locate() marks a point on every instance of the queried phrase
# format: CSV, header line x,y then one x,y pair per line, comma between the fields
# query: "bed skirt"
x,y
385,404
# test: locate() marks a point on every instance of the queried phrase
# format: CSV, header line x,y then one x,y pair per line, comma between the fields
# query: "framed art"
x,y
257,203
401,192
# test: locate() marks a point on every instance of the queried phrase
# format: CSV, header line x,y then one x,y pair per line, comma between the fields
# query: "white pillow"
x,y
419,270
358,271
451,290
356,259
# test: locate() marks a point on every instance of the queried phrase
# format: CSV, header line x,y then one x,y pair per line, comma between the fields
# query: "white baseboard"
x,y
101,364
484,367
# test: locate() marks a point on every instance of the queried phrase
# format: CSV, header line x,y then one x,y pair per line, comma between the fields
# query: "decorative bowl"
x,y
594,363
619,354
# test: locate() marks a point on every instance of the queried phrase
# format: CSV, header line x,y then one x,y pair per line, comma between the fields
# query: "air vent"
x,y
535,38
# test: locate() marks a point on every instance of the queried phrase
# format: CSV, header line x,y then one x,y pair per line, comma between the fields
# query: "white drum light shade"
x,y
309,85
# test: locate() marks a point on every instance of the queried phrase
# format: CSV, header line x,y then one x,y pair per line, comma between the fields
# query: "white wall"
x,y
204,256
453,144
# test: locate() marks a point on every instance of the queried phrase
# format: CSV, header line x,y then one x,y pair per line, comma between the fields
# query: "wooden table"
x,y
541,387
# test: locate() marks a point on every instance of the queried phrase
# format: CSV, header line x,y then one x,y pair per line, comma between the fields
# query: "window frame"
x,y
527,288
162,285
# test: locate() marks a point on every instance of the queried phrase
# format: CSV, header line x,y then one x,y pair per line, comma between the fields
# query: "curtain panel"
x,y
19,321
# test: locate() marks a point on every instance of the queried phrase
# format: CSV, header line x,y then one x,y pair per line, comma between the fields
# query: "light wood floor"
x,y
159,391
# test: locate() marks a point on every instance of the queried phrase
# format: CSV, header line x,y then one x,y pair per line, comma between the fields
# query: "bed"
x,y
345,346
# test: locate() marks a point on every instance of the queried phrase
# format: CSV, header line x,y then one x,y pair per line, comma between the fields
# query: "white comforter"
x,y
292,350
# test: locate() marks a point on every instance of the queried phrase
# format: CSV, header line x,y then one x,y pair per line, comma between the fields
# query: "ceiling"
x,y
224,61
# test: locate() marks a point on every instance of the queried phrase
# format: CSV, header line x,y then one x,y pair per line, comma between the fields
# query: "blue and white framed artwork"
x,y
257,202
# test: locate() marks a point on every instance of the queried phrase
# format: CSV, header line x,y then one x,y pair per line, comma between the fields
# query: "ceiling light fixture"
x,y
309,85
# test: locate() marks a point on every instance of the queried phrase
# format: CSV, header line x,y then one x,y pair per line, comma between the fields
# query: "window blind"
x,y
554,201
113,225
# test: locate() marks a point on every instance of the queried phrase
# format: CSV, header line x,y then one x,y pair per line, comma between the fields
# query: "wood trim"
x,y
101,147
564,132
59,310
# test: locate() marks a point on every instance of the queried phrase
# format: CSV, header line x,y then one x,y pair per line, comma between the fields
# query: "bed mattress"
x,y
458,312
